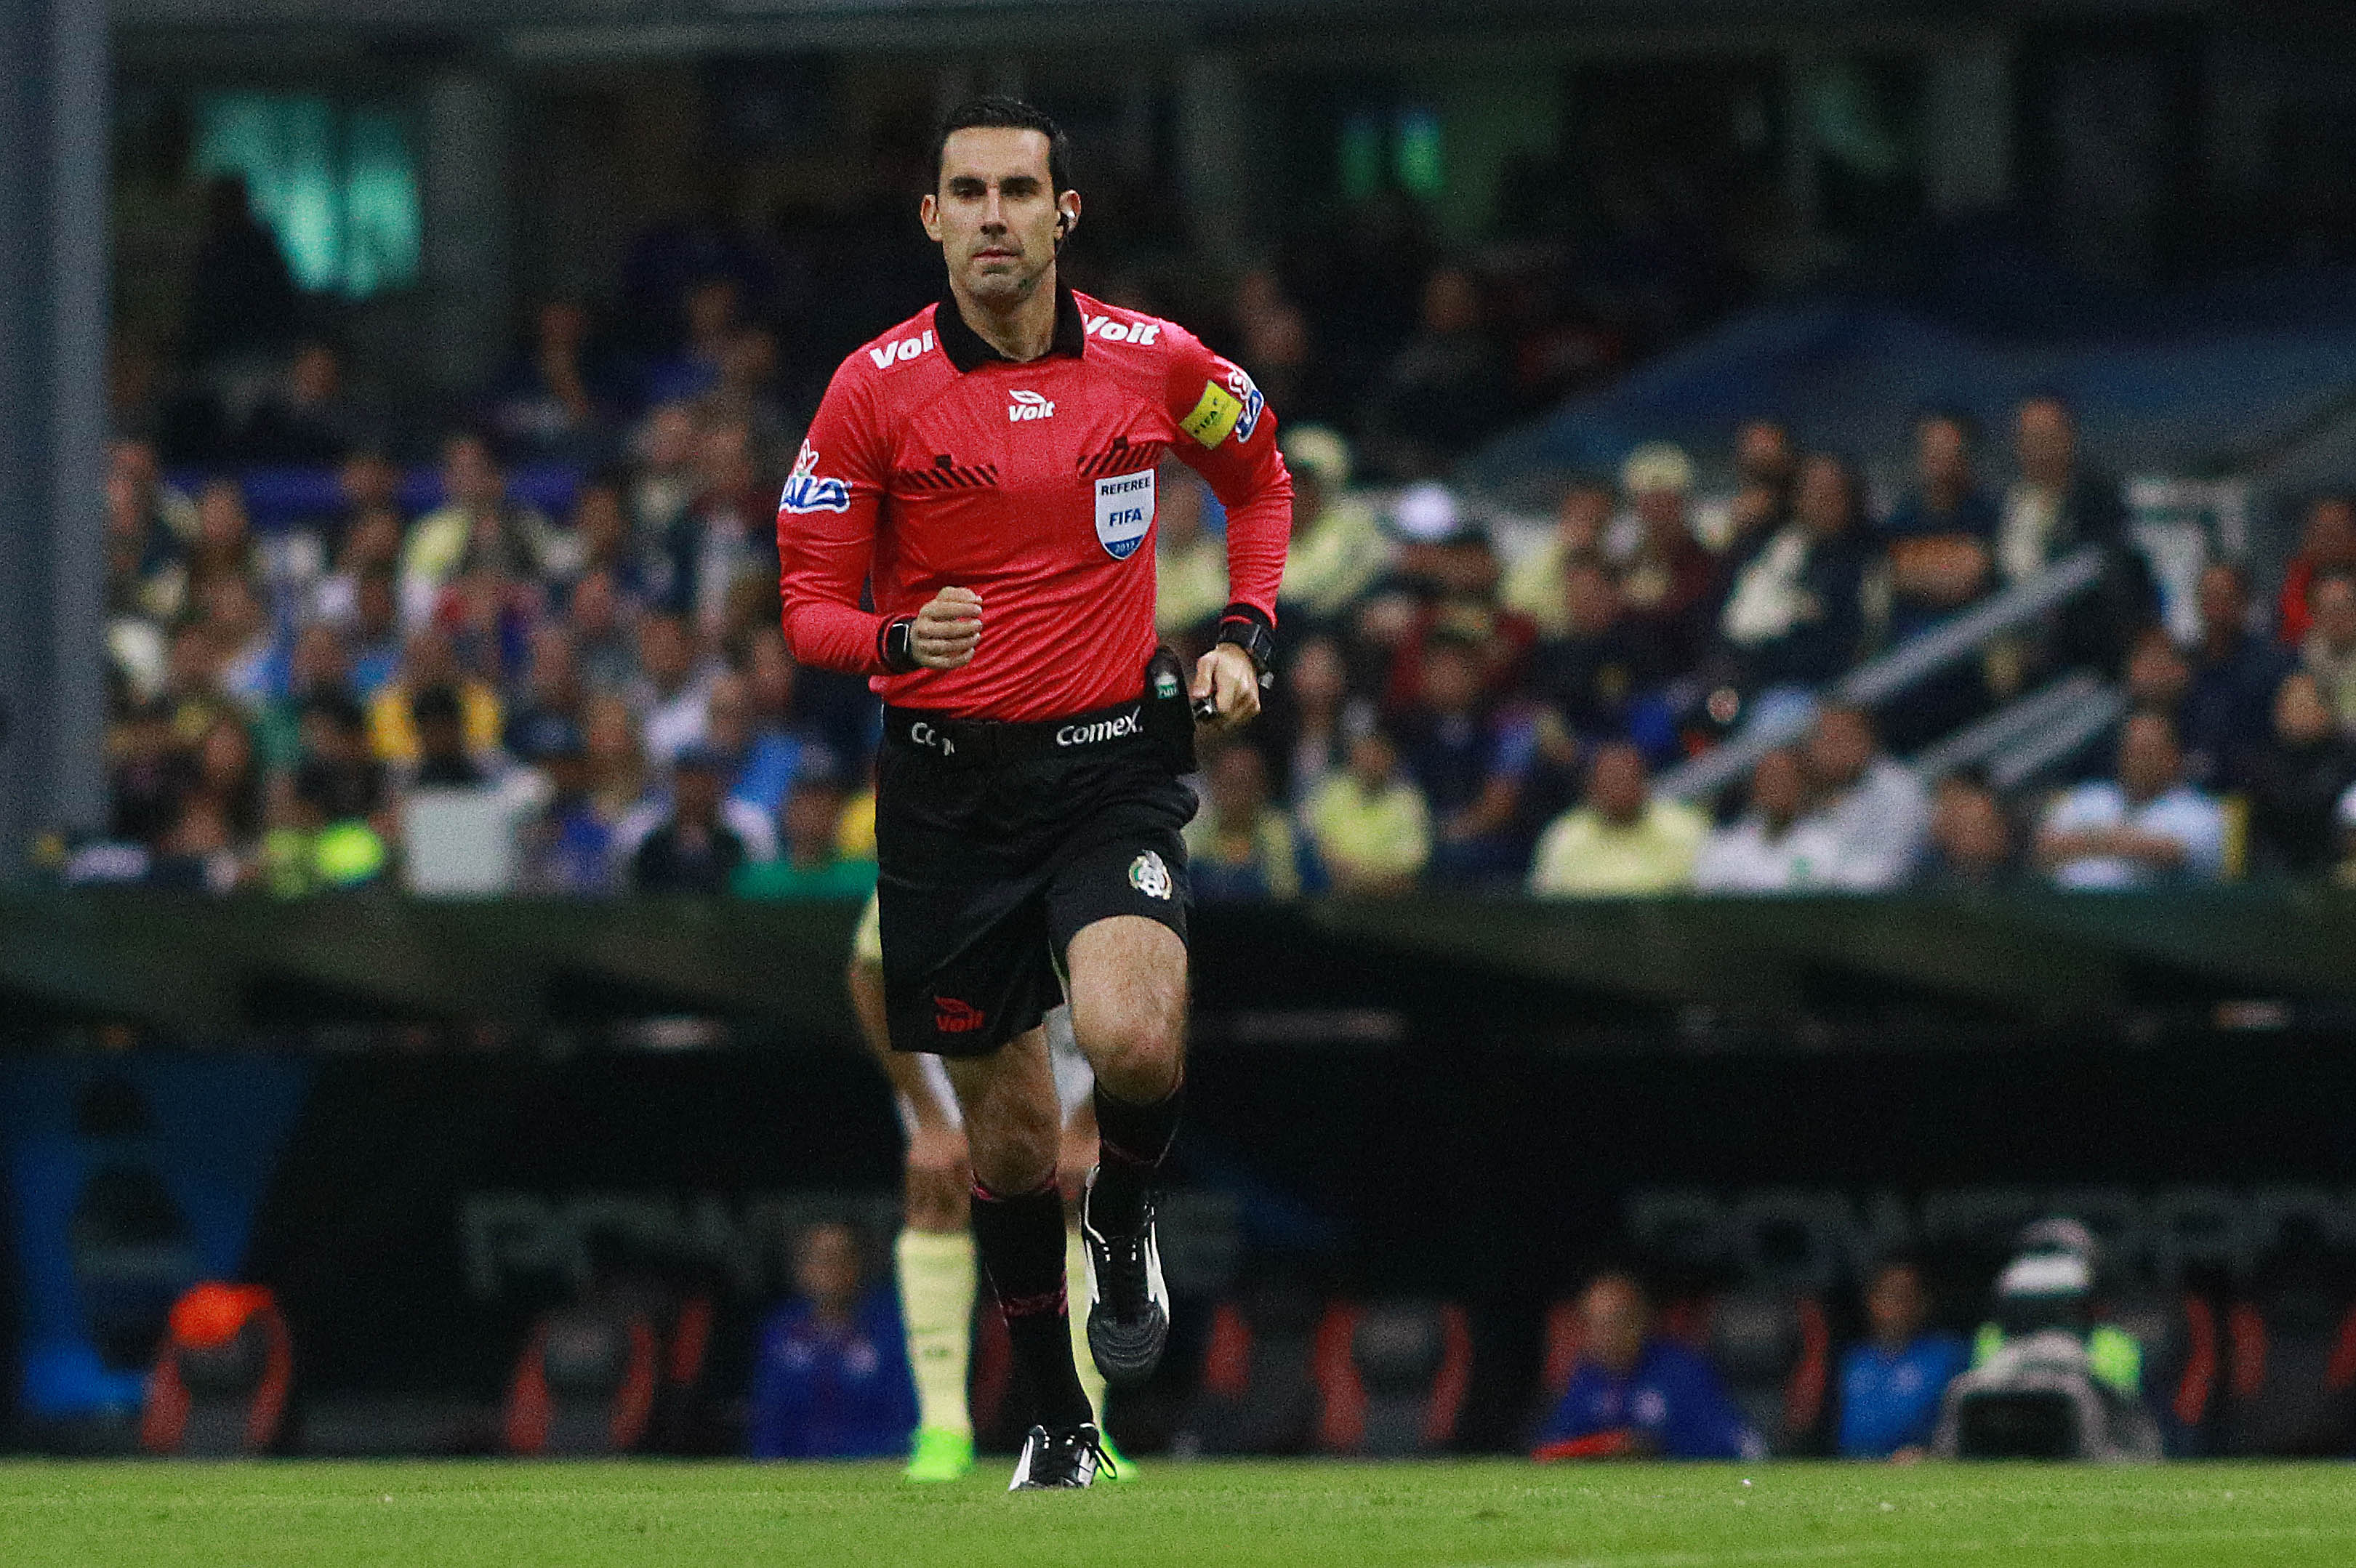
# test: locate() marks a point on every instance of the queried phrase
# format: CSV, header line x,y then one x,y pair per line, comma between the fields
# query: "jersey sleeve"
x,y
1227,435
826,532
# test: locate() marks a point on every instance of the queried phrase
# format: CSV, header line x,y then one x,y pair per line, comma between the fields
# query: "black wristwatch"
x,y
896,645
1247,628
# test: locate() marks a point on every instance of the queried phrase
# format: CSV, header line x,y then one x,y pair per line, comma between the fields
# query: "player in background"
x,y
932,1260
986,471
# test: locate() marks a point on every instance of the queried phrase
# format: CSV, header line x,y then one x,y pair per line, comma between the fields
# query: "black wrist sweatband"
x,y
1248,629
895,645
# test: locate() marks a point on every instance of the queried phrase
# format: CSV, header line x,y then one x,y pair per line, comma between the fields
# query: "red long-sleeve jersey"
x,y
935,462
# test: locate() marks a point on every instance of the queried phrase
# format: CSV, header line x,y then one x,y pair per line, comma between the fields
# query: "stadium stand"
x,y
223,1377
1391,1377
584,1385
1774,1353
1258,1391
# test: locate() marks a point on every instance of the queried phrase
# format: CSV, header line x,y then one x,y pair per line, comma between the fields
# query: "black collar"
x,y
967,349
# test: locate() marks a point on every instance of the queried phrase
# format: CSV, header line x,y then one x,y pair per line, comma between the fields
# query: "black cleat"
x,y
1060,1460
1129,1304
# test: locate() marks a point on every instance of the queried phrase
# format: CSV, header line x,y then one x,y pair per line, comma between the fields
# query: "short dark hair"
x,y
1944,414
1007,114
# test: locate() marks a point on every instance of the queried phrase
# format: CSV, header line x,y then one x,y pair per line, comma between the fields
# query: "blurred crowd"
x,y
1457,714
556,644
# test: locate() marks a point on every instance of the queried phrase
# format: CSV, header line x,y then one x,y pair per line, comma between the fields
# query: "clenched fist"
x,y
948,630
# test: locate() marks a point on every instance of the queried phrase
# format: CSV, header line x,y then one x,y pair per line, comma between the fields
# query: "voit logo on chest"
x,y
1124,512
1028,405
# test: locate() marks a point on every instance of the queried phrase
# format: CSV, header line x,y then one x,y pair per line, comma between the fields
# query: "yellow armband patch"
x,y
1214,416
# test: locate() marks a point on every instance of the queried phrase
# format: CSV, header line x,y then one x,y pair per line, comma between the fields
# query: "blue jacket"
x,y
1671,1405
822,1395
1889,1402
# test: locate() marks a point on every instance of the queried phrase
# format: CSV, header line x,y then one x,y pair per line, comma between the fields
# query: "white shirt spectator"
x,y
1749,858
1877,828
2183,814
674,723
746,821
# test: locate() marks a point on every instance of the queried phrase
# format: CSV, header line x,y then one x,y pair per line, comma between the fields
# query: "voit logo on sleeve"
x,y
1124,512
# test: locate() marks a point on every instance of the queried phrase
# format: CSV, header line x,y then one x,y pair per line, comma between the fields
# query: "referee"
x,y
986,470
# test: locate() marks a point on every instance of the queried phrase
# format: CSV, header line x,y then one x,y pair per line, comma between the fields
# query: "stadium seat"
x,y
679,1419
2291,1374
1774,1353
2178,1336
585,1385
1259,1390
221,1380
1391,1377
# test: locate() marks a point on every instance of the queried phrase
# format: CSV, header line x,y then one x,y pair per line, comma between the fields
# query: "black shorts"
x,y
987,864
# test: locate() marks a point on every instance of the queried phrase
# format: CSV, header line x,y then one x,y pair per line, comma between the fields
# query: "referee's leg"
x,y
1014,1125
1128,983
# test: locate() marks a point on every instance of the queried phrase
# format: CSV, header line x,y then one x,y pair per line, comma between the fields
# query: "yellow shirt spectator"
x,y
393,737
1621,842
1372,828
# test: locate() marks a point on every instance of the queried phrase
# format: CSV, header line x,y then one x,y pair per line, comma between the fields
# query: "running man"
x,y
932,1261
986,469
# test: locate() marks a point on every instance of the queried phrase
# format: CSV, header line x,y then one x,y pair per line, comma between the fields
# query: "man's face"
x,y
2044,440
2148,756
1584,514
725,718
1942,455
377,605
827,1267
593,611
1615,1321
695,794
1662,510
771,679
1822,499
1895,1305
1839,749
469,475
2224,610
2301,718
1762,450
995,212
1238,783
1591,600
1372,760
1618,789
1451,678
810,816
1778,787
2330,534
2333,607
440,737
1969,828
664,650
318,657
2155,672
369,481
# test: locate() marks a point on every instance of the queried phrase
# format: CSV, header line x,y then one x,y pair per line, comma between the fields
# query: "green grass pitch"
x,y
1309,1515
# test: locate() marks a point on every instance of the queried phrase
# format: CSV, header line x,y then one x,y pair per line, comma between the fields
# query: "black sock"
x,y
1021,1242
1132,1140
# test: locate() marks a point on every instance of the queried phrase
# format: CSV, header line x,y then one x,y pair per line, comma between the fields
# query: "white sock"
x,y
1075,1277
937,1282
